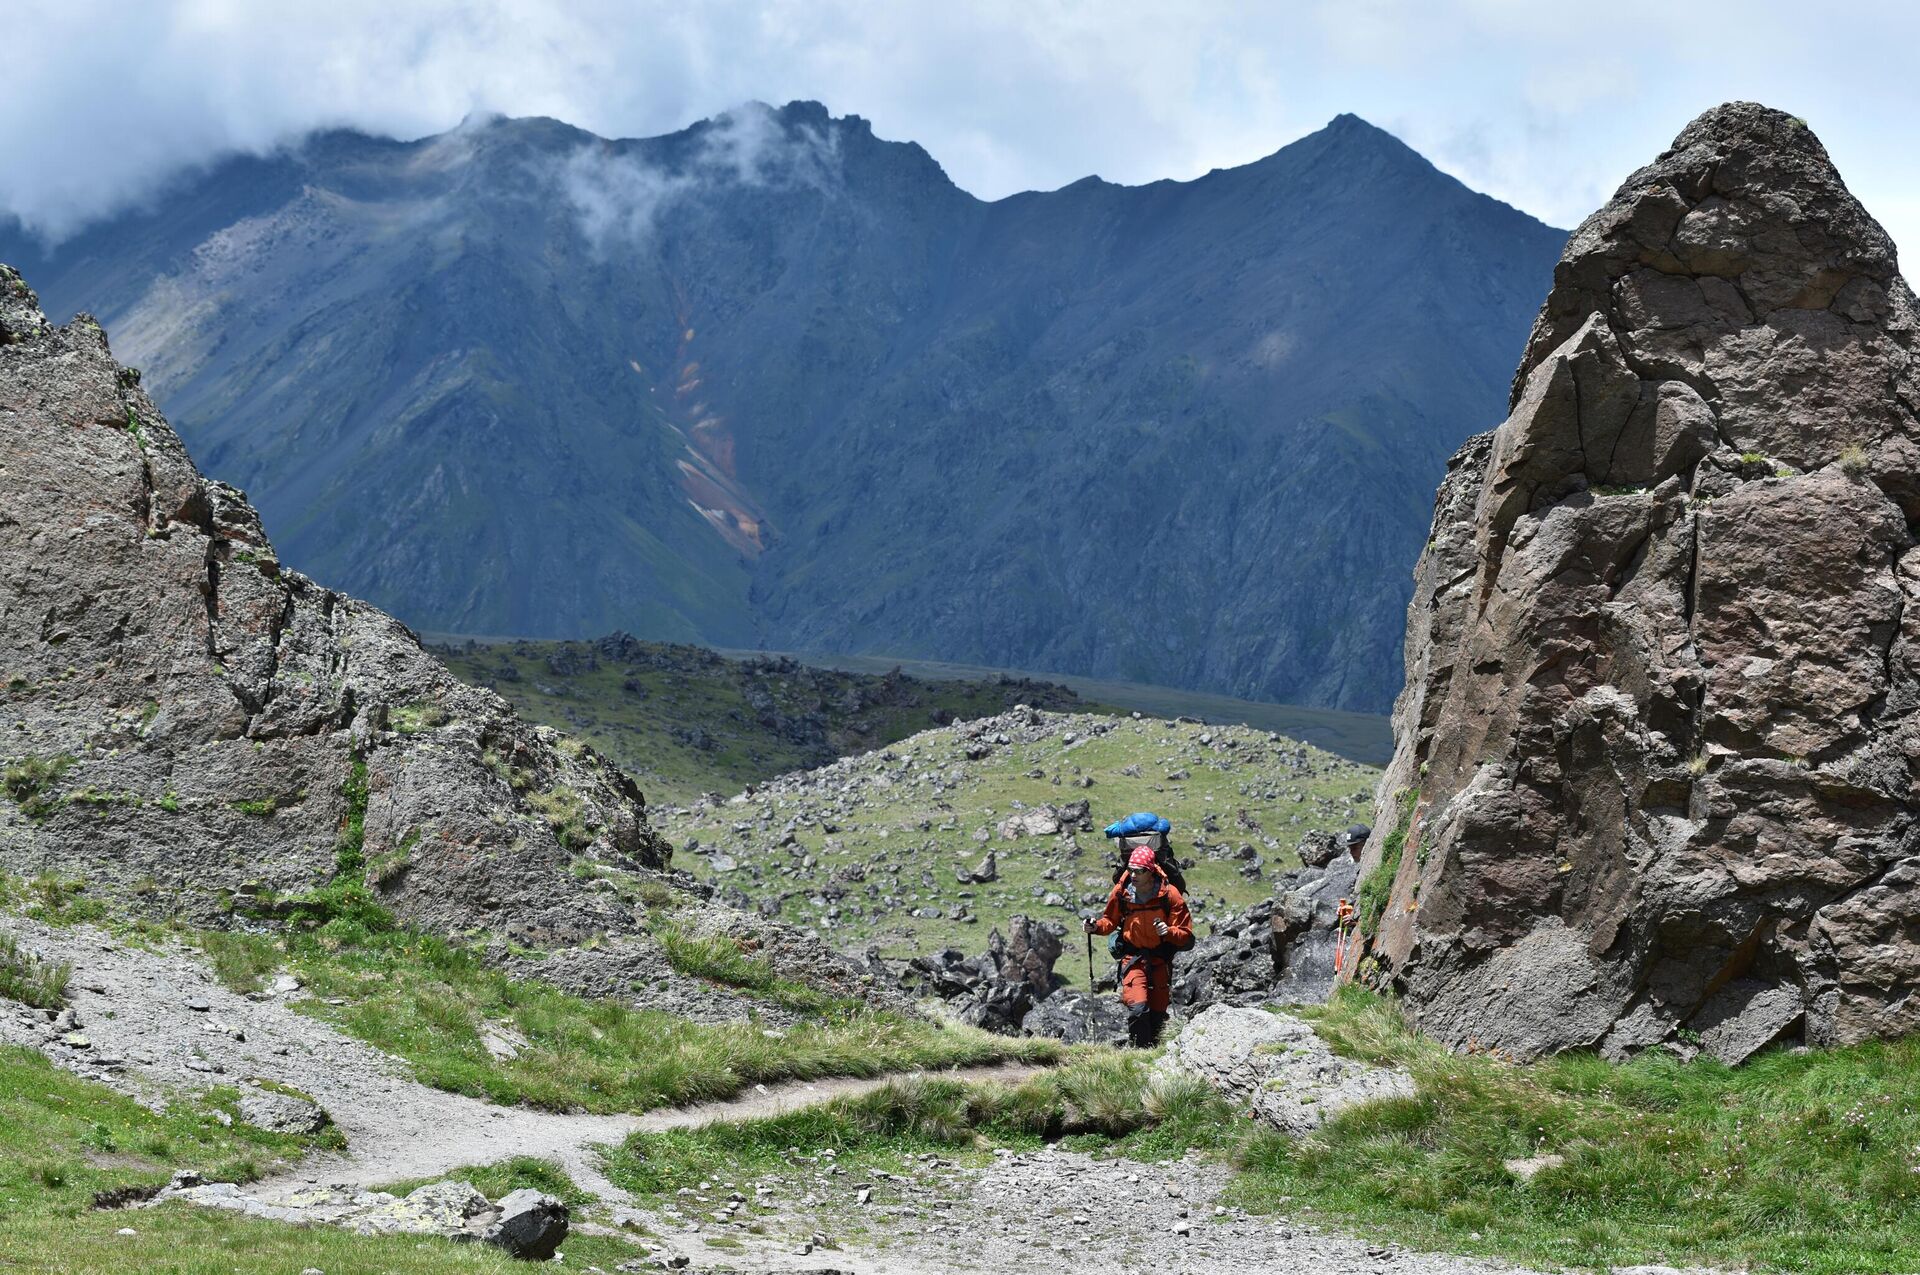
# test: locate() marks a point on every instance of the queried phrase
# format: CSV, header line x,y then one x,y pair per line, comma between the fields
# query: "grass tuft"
x,y
30,782
521,1173
28,979
429,1001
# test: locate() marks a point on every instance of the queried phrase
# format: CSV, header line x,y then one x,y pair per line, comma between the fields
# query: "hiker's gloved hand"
x,y
1160,927
1086,923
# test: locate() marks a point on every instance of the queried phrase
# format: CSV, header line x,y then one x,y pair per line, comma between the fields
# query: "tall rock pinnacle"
x,y
1655,776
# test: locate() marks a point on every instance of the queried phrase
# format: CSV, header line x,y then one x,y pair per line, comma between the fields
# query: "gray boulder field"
x,y
1656,755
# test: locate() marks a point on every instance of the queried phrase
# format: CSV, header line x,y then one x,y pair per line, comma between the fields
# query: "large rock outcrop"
x,y
1656,753
185,722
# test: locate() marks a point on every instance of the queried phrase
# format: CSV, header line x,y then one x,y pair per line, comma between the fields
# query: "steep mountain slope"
x,y
1656,777
774,379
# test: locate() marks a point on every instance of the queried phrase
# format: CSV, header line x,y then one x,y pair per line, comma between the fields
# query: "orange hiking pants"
x,y
1147,980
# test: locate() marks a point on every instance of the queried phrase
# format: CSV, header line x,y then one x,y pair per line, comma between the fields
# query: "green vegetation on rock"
x,y
1378,887
30,782
29,980
1099,1099
504,1177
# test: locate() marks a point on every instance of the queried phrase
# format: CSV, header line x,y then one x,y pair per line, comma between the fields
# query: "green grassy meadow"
x,y
897,837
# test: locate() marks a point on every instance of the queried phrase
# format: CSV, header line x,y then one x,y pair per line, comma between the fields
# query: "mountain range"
x,y
774,381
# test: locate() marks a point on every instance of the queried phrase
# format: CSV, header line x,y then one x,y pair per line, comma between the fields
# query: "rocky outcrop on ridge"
x,y
1656,753
186,723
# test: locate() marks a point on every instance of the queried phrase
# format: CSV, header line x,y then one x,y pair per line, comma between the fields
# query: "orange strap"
x,y
1344,938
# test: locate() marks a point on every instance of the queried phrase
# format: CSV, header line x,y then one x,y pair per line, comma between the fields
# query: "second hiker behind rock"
x,y
1149,920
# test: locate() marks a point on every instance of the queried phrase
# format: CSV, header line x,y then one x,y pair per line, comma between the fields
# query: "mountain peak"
x,y
1346,123
1746,196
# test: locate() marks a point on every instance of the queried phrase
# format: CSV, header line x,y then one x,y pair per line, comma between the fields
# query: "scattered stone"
x,y
530,1225
1525,1169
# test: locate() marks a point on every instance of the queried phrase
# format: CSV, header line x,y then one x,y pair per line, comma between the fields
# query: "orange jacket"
x,y
1135,920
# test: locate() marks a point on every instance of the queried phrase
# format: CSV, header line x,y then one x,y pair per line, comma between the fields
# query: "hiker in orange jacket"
x,y
1152,918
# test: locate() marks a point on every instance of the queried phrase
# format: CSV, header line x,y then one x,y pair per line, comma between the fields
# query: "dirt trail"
x,y
173,1026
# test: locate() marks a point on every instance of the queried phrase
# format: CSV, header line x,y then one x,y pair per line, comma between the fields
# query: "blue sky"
x,y
1544,105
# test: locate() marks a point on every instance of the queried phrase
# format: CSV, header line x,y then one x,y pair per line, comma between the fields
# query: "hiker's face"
x,y
1144,881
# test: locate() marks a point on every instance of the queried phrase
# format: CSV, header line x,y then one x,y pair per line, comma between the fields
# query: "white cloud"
x,y
1546,105
619,197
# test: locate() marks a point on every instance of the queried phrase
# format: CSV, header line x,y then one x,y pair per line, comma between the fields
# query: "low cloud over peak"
x,y
1546,110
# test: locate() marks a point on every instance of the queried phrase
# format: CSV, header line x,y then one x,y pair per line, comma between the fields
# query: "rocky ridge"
x,y
200,733
714,451
1656,755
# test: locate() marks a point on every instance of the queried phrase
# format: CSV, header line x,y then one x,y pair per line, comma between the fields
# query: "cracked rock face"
x,y
1657,749
183,719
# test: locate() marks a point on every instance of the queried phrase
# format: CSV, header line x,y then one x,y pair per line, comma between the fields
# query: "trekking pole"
x,y
1090,990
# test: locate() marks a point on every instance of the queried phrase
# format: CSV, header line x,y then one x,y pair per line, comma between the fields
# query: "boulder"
x,y
1041,821
1317,849
996,989
530,1225
438,1208
1078,1019
986,872
1302,936
1657,755
1276,1066
283,1113
995,1005
526,1224
1028,953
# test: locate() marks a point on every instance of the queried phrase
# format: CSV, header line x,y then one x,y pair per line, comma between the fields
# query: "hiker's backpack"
x,y
1146,829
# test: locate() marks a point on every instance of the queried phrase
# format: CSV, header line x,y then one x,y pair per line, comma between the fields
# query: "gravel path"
x,y
1048,1210
174,1027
